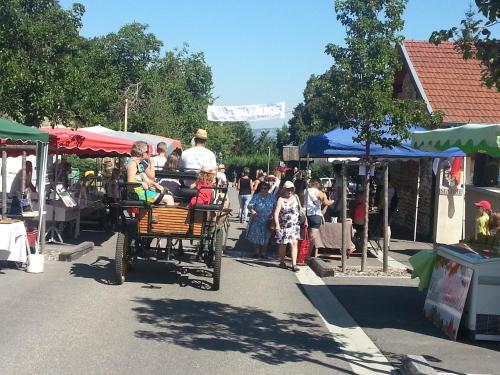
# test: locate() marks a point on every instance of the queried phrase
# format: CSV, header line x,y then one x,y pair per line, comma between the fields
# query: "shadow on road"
x,y
205,325
148,272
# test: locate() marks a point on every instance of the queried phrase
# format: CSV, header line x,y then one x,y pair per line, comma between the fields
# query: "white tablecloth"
x,y
13,242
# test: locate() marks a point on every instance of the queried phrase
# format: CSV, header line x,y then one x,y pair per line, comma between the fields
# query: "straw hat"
x,y
207,169
201,134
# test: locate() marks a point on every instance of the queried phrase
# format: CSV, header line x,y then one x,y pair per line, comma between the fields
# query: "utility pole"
x,y
268,159
125,122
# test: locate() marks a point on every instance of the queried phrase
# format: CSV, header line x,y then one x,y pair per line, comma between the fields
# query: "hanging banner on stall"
x,y
447,294
452,172
246,112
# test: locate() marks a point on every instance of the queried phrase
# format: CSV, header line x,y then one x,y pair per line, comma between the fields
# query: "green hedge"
x,y
254,162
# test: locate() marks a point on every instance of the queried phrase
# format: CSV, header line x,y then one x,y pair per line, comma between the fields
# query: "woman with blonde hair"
x,y
149,190
287,223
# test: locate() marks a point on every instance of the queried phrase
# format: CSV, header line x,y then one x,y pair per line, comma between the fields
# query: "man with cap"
x,y
198,156
221,175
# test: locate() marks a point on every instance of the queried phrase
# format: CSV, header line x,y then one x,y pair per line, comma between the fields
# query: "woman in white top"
x,y
314,198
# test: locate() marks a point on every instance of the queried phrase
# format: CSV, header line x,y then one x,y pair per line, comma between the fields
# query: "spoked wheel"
x,y
217,261
121,257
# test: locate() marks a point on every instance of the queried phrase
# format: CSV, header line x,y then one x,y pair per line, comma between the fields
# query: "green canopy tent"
x,y
469,138
12,131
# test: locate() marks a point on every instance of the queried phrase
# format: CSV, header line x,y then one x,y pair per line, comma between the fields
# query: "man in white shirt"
x,y
221,175
198,156
161,158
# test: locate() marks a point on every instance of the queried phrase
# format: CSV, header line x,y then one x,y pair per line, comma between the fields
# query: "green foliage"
x,y
254,162
282,137
363,74
321,170
37,41
473,39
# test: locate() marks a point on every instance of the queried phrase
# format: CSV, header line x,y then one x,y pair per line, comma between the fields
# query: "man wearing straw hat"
x,y
198,156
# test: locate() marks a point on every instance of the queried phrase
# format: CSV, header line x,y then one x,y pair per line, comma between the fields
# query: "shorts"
x,y
145,195
314,221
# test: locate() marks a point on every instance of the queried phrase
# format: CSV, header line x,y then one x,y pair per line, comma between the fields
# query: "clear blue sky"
x,y
260,51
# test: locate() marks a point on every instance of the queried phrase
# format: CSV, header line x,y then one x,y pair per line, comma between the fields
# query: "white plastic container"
x,y
35,263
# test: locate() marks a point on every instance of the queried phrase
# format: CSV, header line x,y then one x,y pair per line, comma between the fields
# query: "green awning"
x,y
469,138
16,132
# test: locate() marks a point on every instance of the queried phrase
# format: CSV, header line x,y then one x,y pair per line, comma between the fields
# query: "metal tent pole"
x,y
416,204
42,150
4,183
385,263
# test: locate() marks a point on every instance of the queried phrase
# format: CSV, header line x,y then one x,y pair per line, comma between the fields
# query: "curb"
x,y
76,252
416,365
321,267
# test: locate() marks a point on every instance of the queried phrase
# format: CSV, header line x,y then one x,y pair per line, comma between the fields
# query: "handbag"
x,y
304,246
302,214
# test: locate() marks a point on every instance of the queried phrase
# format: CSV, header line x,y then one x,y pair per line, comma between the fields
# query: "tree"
x,y
176,90
362,79
473,39
37,42
314,115
282,138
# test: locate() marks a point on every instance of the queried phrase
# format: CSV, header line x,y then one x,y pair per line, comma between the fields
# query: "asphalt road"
x,y
72,320
390,311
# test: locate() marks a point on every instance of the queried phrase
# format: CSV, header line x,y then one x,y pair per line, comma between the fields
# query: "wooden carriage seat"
x,y
171,220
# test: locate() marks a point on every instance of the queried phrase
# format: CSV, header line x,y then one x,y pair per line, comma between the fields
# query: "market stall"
x,y
20,138
479,142
465,278
69,206
339,143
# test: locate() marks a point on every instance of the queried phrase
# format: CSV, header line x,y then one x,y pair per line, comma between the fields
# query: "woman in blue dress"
x,y
260,208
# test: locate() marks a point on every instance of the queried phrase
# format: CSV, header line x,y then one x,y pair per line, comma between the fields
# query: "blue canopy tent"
x,y
339,143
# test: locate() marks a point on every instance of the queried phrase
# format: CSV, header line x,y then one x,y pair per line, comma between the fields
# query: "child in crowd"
x,y
204,184
483,221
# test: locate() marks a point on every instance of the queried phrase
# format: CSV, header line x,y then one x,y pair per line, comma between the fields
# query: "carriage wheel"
x,y
217,263
121,257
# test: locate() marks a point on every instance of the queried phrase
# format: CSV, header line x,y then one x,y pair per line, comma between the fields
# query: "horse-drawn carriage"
x,y
206,225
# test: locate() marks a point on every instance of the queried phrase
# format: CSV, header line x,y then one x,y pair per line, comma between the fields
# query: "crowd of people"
x,y
279,212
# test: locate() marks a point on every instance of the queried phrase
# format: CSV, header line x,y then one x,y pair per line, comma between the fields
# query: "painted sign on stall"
x,y
447,294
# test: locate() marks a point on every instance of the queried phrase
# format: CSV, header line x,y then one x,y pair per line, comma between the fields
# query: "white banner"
x,y
246,112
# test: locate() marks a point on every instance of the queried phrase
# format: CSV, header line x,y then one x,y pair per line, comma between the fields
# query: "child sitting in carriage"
x,y
204,184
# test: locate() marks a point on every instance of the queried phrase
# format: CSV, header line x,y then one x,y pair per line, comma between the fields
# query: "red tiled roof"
x,y
452,84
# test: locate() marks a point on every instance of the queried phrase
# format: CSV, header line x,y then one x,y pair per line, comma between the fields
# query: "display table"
x,y
13,242
331,236
482,307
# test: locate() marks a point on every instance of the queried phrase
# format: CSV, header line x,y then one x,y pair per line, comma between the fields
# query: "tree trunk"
x,y
344,218
366,190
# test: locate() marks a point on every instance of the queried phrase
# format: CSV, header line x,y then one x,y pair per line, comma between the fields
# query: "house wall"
x,y
409,91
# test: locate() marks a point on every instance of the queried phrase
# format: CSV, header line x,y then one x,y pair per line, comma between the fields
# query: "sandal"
x,y
282,265
295,269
